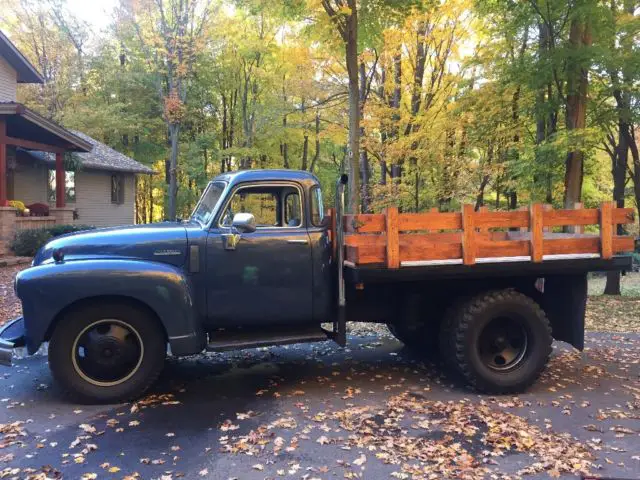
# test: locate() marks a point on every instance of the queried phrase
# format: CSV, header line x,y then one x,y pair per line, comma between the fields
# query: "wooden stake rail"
x,y
407,239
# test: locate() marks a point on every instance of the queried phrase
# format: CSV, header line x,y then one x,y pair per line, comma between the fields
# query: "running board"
x,y
238,340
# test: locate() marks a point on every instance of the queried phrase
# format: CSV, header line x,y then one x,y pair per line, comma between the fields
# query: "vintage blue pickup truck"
x,y
260,263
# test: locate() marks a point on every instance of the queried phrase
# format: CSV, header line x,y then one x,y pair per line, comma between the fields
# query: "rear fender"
x,y
48,290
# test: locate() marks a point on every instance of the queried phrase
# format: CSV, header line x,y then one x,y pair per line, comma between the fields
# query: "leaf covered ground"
x,y
309,412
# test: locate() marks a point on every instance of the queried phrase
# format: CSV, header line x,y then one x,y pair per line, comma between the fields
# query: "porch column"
x,y
60,181
3,163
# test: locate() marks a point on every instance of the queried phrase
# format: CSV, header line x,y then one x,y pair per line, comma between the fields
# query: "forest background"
x,y
426,104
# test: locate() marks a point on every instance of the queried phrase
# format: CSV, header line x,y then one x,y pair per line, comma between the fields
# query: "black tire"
x,y
143,340
499,341
417,333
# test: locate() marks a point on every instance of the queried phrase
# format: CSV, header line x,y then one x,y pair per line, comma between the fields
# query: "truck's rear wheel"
x,y
107,353
498,341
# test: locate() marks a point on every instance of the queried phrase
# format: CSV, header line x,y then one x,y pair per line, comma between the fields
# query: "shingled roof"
x,y
101,157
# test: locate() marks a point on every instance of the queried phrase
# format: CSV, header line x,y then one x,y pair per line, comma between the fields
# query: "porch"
x,y
20,127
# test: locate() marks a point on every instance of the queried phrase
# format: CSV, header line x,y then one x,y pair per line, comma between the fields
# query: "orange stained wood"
x,y
606,230
537,234
468,235
392,238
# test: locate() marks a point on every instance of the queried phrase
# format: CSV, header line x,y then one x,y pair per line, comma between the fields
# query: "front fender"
x,y
46,290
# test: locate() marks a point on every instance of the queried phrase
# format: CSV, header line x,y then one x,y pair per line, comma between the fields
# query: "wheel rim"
x,y
107,352
503,344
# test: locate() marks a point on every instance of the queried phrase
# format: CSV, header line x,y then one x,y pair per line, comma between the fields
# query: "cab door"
x,y
265,278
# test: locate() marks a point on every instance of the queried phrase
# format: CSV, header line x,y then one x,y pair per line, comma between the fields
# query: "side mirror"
x,y
244,222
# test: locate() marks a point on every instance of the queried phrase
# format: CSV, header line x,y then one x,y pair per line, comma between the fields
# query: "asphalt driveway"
x,y
320,412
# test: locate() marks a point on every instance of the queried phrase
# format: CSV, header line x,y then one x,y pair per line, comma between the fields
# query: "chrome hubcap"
x,y
108,352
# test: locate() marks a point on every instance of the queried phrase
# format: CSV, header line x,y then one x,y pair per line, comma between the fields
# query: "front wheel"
x,y
107,353
498,341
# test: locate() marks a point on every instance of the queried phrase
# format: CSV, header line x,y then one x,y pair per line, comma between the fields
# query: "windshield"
x,y
207,204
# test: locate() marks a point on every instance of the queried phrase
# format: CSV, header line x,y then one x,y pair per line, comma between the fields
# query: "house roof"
x,y
100,157
27,125
27,73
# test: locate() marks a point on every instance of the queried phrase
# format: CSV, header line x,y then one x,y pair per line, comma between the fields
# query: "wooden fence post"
x,y
606,230
468,235
393,237
579,229
537,235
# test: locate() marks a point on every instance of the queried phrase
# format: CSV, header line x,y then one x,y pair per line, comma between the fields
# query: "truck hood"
x,y
160,242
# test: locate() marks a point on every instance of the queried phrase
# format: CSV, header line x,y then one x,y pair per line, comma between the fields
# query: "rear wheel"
x,y
498,341
107,353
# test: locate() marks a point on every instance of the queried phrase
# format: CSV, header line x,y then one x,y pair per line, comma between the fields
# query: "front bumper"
x,y
12,335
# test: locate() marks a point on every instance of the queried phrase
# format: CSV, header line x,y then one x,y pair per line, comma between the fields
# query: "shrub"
x,y
27,242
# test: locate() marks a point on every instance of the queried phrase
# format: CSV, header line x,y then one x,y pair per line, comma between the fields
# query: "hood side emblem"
x,y
166,253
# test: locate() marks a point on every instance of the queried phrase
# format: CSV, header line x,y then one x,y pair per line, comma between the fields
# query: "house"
x,y
99,189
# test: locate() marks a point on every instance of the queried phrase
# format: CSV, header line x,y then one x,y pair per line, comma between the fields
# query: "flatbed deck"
x,y
538,238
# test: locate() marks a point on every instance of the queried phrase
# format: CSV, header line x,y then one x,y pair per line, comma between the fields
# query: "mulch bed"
x,y
9,304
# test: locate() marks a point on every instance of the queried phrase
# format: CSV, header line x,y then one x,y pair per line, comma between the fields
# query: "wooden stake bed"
x,y
400,240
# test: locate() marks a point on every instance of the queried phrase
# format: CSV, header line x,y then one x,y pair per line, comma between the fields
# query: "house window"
x,y
69,186
117,189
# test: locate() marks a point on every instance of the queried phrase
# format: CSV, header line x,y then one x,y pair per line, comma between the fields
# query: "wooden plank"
x,y
503,248
606,230
537,235
412,252
393,238
557,246
622,216
468,235
623,244
579,228
431,238
358,240
351,254
502,219
370,223
559,218
429,221
368,254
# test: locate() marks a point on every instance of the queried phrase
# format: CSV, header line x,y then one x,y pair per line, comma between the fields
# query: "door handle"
x,y
230,240
300,242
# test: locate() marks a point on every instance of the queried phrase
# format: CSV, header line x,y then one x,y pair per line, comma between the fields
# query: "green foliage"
x,y
27,242
478,110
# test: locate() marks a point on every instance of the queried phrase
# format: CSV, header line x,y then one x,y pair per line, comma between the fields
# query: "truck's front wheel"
x,y
499,341
106,353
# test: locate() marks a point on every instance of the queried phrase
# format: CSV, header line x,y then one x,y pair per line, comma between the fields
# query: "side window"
x,y
292,210
317,207
272,206
262,205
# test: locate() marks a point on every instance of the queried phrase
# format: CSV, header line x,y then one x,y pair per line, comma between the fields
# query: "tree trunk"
x,y
396,99
174,136
305,153
316,155
364,158
351,51
576,107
